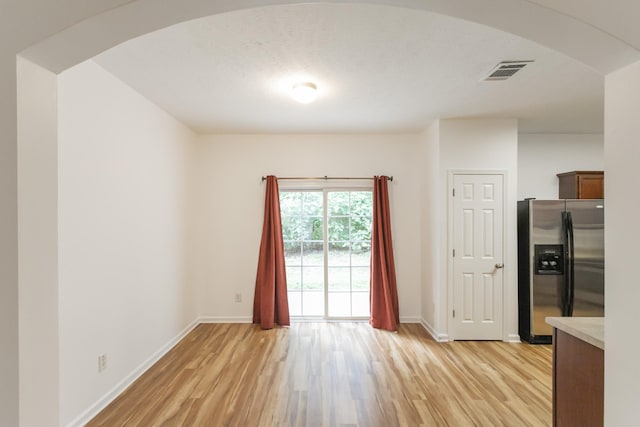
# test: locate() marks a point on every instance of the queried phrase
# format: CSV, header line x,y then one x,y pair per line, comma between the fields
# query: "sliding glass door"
x,y
327,237
303,231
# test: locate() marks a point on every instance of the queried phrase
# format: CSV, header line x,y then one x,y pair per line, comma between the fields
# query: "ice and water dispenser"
x,y
549,259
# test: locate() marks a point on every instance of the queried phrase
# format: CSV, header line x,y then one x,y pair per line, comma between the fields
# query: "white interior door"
x,y
478,227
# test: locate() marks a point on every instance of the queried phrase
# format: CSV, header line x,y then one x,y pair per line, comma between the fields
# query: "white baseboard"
x,y
436,336
443,338
512,338
222,319
410,319
105,400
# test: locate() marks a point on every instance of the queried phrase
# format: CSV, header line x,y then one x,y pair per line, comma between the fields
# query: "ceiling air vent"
x,y
506,69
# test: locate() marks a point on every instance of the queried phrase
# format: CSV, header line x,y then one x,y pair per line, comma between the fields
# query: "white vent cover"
x,y
506,69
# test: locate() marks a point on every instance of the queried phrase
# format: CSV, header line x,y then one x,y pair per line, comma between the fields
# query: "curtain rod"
x,y
326,178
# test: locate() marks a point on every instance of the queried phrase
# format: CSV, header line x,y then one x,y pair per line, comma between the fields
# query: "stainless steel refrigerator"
x,y
560,263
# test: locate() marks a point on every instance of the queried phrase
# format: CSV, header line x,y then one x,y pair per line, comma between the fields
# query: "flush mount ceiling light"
x,y
304,92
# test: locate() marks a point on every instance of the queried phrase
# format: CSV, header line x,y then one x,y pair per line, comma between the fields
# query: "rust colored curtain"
x,y
384,292
270,303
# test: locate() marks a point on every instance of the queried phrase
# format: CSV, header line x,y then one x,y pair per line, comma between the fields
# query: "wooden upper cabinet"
x,y
581,185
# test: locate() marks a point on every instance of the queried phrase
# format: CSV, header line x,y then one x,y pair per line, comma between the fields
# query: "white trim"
x,y
429,329
223,319
333,320
513,338
325,187
436,336
403,319
443,338
309,319
105,400
450,177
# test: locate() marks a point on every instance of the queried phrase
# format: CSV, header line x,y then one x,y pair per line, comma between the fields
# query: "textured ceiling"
x,y
378,68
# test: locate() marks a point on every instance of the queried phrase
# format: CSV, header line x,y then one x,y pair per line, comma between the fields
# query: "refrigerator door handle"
x,y
566,285
571,272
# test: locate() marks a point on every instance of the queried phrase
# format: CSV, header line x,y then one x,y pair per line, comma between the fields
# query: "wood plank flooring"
x,y
337,374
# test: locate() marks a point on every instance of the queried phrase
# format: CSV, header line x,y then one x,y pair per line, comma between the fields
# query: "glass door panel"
x,y
327,237
348,242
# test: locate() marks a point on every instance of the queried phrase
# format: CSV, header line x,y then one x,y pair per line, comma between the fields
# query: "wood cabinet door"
x,y
590,187
578,382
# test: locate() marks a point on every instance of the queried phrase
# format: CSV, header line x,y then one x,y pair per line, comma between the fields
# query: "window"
x,y
327,239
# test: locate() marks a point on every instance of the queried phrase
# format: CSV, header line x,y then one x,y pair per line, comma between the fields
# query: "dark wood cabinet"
x,y
581,185
578,382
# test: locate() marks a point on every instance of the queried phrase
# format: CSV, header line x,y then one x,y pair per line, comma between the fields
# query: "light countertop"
x,y
589,329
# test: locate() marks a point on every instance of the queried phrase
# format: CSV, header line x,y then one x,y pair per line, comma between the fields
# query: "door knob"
x,y
499,265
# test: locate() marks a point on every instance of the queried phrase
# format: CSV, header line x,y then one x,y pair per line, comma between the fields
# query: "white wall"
x,y
622,151
542,156
9,400
231,204
22,24
38,244
430,234
480,145
123,287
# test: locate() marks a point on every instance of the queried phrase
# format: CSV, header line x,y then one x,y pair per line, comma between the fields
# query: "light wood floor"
x,y
337,374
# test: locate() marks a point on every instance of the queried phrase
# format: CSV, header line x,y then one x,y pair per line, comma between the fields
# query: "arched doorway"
x,y
526,19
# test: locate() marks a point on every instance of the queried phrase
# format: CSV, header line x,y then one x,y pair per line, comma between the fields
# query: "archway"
x,y
526,19
548,27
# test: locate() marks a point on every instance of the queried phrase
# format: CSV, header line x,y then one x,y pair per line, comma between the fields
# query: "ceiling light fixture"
x,y
304,92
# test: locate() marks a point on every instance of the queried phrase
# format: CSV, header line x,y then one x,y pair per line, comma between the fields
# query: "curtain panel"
x,y
270,303
384,291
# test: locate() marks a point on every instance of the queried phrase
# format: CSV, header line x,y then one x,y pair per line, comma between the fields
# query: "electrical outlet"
x,y
238,298
102,362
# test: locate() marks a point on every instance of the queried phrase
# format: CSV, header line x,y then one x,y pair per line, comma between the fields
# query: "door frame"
x,y
451,173
324,187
